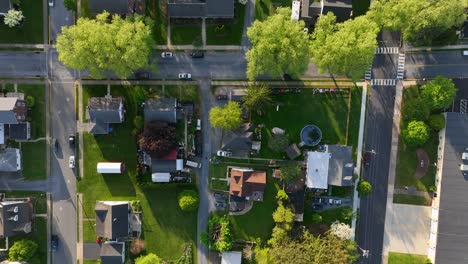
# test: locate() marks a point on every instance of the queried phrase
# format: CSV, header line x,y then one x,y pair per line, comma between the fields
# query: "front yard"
x,y
185,31
226,31
34,160
31,32
265,8
165,227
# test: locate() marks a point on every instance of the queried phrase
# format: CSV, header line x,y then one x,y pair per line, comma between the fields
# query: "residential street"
x,y
451,64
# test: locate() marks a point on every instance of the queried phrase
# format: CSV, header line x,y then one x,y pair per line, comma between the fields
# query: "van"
x,y
198,124
193,164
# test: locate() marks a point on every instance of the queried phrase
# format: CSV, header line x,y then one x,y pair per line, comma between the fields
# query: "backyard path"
x,y
423,163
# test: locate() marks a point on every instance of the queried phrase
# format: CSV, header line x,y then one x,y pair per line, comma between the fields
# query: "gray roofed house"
x,y
12,110
311,10
103,111
340,166
5,5
10,160
452,233
120,7
21,131
200,8
163,166
113,253
161,109
15,217
112,219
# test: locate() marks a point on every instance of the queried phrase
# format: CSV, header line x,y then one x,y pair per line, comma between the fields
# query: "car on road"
x,y
221,97
51,3
54,242
465,53
185,76
71,162
142,75
71,141
224,153
337,202
167,54
367,158
198,124
197,55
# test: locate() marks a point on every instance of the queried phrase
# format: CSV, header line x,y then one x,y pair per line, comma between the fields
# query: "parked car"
x,y
367,158
198,124
51,3
276,91
197,55
287,77
71,141
185,76
224,153
338,202
221,97
167,54
54,242
317,207
71,162
465,53
142,75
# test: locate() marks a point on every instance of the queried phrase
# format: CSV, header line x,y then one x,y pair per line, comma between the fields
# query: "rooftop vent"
x,y
14,218
465,156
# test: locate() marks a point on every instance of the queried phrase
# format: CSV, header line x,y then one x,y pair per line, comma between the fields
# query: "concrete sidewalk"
x,y
203,47
284,83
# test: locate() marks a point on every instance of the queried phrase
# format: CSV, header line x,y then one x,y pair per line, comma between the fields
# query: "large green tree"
x,y
439,93
416,134
346,48
121,45
279,45
149,259
227,117
290,172
22,250
257,97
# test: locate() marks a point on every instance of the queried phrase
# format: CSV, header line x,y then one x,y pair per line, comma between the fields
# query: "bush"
x,y
364,187
22,250
137,246
136,205
439,93
278,143
416,134
316,218
437,122
30,101
219,236
188,200
148,259
282,195
70,5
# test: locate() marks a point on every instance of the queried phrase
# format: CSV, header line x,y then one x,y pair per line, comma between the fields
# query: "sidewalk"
x,y
135,82
203,47
429,49
283,83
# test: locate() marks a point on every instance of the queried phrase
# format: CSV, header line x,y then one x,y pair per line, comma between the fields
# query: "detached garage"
x,y
110,167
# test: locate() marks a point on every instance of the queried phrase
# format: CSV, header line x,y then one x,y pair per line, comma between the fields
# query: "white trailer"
x,y
160,177
110,167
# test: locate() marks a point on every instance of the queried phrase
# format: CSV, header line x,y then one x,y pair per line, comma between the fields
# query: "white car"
x,y
337,201
51,3
185,76
71,162
465,53
224,153
167,55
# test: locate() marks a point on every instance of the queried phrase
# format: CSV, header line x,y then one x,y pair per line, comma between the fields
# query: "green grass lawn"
x,y
38,235
156,9
360,7
165,227
399,258
38,112
89,231
354,117
31,32
226,31
328,216
327,111
186,31
265,8
410,199
39,199
33,155
218,171
91,261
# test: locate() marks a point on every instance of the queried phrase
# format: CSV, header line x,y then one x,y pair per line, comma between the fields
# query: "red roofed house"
x,y
247,183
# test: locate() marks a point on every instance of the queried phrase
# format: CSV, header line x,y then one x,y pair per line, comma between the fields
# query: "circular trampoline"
x,y
311,135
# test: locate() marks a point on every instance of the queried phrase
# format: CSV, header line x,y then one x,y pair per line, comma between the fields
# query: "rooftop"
x,y
112,253
15,217
112,219
160,109
317,169
10,160
341,165
244,182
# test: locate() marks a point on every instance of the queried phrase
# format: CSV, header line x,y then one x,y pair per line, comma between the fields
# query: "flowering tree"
x,y
341,230
13,18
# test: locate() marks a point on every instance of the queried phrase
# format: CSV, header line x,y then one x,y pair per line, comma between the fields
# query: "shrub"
x,y
219,236
13,18
22,250
316,218
188,200
416,134
149,259
30,101
282,195
136,205
137,246
364,187
437,122
439,93
278,143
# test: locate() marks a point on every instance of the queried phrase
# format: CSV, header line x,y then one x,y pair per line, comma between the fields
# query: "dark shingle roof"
x,y
111,252
20,131
340,8
163,166
111,6
112,219
105,110
340,166
15,223
9,160
452,236
7,115
220,8
161,109
197,8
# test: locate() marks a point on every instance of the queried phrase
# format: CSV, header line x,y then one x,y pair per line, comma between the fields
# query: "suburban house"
x,y
15,217
116,221
10,160
247,184
334,166
310,10
104,111
161,168
161,109
240,141
231,257
200,8
13,114
5,5
120,7
449,225
113,253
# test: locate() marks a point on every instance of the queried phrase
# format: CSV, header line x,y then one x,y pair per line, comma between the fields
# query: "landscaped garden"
x,y
166,228
31,31
226,31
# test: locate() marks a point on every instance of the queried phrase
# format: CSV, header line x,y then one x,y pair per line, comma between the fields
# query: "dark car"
x,y
278,91
367,158
197,55
221,97
71,141
142,75
54,242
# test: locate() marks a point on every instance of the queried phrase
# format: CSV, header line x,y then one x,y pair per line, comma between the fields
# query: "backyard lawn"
x,y
186,31
31,32
33,155
226,31
399,258
38,235
328,216
218,172
156,9
165,227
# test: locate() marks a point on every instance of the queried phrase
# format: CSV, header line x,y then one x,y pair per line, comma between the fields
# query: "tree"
x,y
30,101
282,195
341,230
157,139
276,43
261,255
13,18
278,142
121,45
437,122
290,172
70,5
416,134
188,200
219,236
257,97
283,217
346,48
364,188
22,250
149,259
439,93
137,246
227,117
416,109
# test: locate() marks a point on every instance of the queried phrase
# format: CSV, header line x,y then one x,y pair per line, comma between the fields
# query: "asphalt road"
x,y
451,64
378,135
384,66
22,64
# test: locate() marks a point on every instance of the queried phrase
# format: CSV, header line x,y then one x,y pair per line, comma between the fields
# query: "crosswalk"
x,y
368,74
387,50
383,82
401,66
